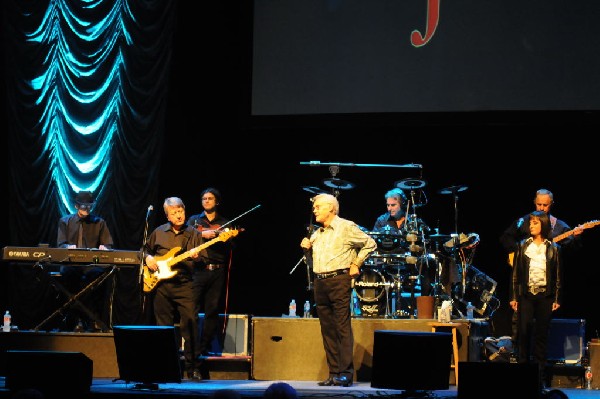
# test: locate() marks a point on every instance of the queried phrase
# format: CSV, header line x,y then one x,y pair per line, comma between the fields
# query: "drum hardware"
x,y
387,242
479,290
439,237
454,190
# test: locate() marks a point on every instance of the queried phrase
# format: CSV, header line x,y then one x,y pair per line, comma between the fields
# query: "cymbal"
x,y
453,189
313,190
410,184
440,237
339,184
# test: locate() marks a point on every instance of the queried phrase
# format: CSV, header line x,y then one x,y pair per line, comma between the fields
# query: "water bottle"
x,y
470,308
292,308
354,305
307,310
7,320
588,377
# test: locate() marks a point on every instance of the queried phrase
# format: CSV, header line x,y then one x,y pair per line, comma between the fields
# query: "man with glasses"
x,y
85,230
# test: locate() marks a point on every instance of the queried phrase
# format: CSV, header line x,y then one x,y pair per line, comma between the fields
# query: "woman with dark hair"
x,y
535,290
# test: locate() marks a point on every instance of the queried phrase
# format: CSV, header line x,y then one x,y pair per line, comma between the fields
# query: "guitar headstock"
x,y
227,234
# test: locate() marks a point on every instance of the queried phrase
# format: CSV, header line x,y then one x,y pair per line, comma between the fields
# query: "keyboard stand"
x,y
73,300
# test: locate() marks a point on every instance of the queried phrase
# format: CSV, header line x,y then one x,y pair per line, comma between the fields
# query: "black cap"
x,y
84,197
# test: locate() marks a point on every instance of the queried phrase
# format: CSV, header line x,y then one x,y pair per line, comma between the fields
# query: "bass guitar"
x,y
164,262
587,225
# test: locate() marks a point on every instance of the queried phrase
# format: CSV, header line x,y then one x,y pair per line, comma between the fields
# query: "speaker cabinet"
x,y
411,361
147,354
56,374
566,341
505,380
234,340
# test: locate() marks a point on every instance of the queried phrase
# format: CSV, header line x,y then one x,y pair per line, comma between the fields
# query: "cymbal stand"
x,y
334,170
456,246
396,300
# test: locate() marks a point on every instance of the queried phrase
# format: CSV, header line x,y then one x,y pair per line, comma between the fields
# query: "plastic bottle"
x,y
292,308
354,305
588,377
307,310
7,321
470,309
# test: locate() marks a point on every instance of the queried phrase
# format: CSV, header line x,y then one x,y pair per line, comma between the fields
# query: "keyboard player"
x,y
85,230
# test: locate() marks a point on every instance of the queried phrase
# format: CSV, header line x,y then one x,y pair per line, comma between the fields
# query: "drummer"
x,y
395,222
394,219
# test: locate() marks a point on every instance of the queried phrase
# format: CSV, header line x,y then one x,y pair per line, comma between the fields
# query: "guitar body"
x,y
164,262
151,278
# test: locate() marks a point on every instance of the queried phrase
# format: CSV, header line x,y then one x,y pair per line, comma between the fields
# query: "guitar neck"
x,y
587,225
222,237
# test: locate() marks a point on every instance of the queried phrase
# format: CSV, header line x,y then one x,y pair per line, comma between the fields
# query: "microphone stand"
x,y
142,259
310,230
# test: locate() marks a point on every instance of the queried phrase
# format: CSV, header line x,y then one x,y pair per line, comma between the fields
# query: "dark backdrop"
x,y
502,157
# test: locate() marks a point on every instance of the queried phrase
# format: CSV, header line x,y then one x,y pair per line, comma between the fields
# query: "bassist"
x,y
173,297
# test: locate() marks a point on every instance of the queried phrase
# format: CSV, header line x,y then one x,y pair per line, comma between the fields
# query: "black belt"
x,y
213,266
537,289
334,273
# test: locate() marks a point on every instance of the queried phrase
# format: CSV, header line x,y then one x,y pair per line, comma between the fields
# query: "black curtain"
x,y
84,83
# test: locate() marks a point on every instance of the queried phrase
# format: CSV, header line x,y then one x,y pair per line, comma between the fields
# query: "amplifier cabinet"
x,y
566,339
235,340
594,353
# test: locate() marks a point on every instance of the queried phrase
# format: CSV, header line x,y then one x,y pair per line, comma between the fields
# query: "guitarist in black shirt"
x,y
212,272
519,230
169,272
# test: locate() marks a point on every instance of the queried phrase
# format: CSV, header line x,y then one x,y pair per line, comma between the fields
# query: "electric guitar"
x,y
164,262
587,225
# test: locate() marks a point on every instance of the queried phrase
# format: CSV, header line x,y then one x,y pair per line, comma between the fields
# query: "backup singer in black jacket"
x,y
535,289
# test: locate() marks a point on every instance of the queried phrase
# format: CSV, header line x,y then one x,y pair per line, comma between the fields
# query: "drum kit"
x,y
414,261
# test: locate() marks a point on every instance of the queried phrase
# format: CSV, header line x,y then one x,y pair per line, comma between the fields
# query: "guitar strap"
x,y
552,222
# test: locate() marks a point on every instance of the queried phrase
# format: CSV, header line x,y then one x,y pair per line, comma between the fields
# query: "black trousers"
x,y
332,299
174,300
534,317
208,288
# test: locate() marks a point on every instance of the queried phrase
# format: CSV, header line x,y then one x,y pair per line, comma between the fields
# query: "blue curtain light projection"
x,y
86,89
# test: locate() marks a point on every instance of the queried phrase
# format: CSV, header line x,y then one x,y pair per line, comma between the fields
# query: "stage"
x,y
103,388
255,352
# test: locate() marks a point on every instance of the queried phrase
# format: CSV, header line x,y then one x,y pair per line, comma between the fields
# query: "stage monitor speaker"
x,y
147,354
505,380
55,374
411,360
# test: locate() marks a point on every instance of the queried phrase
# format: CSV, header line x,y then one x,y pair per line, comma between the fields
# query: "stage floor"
x,y
104,388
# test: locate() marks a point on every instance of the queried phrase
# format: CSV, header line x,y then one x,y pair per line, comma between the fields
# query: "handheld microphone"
x,y
150,209
520,223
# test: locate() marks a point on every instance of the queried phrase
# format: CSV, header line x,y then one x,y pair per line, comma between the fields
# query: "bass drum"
x,y
371,289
